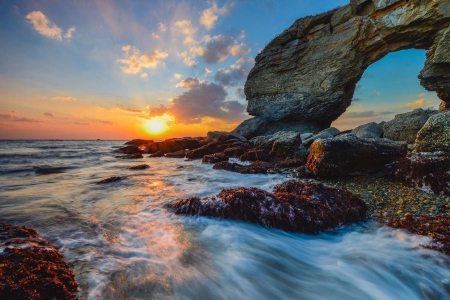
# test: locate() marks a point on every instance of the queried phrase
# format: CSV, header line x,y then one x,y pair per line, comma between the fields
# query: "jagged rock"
x,y
207,149
138,142
130,150
111,179
222,136
156,154
307,75
405,126
294,206
444,106
435,134
139,167
234,151
369,130
324,134
256,167
215,158
172,145
306,136
32,268
427,171
131,156
212,136
176,154
347,155
261,153
291,162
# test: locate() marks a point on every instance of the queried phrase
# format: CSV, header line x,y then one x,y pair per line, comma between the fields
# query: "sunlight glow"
x,y
155,126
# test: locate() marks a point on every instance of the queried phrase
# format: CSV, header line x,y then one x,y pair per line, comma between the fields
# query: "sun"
x,y
155,126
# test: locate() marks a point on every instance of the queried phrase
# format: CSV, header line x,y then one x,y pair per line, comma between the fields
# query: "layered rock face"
x,y
305,78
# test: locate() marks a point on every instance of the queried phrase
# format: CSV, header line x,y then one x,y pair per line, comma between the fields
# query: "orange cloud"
x,y
47,28
418,103
210,15
134,62
64,98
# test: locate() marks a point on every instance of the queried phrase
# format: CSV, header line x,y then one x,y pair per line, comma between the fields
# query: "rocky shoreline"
x,y
400,185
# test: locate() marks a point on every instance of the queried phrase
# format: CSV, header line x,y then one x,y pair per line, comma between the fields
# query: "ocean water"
x,y
125,245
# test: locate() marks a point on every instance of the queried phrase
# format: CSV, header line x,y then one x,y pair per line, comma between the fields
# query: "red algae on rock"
x,y
32,268
435,227
294,206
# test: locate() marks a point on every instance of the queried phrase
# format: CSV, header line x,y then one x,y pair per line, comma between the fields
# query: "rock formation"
x,y
305,78
435,134
404,127
294,206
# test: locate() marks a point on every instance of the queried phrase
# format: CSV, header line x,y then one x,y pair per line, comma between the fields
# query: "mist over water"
x,y
125,245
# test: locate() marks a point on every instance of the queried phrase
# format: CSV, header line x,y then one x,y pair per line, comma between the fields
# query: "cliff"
x,y
305,77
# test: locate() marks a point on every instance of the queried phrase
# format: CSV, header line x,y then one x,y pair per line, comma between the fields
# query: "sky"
x,y
90,69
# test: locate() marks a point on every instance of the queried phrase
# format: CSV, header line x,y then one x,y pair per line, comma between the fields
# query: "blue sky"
x,y
108,69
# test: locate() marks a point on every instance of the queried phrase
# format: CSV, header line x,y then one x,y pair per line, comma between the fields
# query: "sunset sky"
x,y
157,69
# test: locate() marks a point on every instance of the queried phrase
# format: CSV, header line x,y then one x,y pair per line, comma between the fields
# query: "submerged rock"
x,y
139,167
130,150
172,145
347,155
156,154
32,268
138,142
294,206
427,171
435,134
131,156
256,167
436,227
405,126
177,154
111,179
215,158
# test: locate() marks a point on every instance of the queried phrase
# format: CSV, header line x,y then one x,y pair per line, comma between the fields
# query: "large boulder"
x,y
426,171
138,142
405,126
130,149
348,155
294,206
306,76
369,130
324,134
435,134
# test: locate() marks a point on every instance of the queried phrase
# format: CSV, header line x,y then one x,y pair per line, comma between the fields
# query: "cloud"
x,y
187,59
188,83
47,28
64,98
185,27
236,73
418,103
154,35
217,48
177,76
107,122
121,108
17,119
71,30
49,114
384,113
133,63
363,114
162,27
144,75
81,123
376,94
210,15
207,71
205,99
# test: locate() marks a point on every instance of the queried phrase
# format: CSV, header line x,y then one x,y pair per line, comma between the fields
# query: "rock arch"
x,y
305,78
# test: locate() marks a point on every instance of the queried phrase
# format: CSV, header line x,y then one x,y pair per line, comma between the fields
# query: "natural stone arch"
x,y
305,78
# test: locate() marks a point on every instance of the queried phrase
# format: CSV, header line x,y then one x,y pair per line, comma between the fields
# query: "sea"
x,y
124,244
